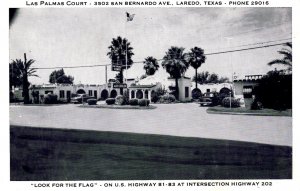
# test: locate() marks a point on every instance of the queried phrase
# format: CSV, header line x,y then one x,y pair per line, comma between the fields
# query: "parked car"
x,y
81,98
209,99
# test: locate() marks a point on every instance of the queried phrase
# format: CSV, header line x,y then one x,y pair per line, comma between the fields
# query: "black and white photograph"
x,y
150,93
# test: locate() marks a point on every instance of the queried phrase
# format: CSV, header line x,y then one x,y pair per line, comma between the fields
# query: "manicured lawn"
x,y
60,154
242,110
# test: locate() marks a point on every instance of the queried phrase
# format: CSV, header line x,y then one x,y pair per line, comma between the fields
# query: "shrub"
x,y
92,101
110,101
256,105
143,102
234,102
50,99
155,98
168,98
134,102
120,100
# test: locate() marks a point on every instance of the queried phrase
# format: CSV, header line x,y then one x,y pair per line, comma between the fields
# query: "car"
x,y
209,99
79,98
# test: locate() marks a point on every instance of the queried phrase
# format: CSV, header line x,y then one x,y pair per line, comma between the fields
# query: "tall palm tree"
x,y
175,64
196,58
25,71
287,57
150,65
120,54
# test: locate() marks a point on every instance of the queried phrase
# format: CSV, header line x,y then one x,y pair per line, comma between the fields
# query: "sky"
x,y
81,36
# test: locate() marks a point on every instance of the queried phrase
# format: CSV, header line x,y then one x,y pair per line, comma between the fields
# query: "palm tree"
x,y
25,71
287,57
150,65
120,54
196,58
175,64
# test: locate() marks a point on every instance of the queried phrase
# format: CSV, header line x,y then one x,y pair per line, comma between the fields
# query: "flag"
x,y
129,16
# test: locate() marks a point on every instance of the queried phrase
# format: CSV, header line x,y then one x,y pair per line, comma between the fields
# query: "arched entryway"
x,y
139,94
225,91
113,93
196,93
80,91
104,94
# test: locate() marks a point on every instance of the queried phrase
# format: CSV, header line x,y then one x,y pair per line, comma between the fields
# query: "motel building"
x,y
147,87
244,88
140,89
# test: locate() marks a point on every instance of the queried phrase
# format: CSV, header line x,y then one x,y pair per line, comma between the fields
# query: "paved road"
x,y
187,120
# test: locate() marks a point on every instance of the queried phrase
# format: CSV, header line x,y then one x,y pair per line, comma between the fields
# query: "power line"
x,y
207,54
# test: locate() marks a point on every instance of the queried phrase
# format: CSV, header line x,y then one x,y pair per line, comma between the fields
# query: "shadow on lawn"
x,y
59,154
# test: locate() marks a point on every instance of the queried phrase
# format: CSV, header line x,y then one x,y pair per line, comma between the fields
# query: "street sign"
x,y
119,85
115,68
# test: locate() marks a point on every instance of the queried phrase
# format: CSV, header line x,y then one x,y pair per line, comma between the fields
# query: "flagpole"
x,y
126,51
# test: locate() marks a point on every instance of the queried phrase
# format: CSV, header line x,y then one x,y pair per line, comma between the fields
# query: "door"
x,y
68,96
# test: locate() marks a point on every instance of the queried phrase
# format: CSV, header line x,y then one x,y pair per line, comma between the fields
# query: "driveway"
x,y
188,120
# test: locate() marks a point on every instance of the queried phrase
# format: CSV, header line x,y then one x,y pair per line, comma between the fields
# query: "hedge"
x,y
92,101
143,102
227,101
110,101
134,102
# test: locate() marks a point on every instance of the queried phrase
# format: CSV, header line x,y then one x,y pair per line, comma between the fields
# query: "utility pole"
x,y
105,74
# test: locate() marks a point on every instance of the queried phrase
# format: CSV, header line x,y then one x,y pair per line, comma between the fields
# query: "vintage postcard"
x,y
151,95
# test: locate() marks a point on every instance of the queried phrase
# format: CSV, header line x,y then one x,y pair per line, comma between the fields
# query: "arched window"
x,y
113,93
132,94
104,94
146,94
139,94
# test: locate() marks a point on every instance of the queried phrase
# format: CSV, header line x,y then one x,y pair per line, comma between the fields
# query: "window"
x,y
90,92
187,92
48,92
95,94
207,90
247,91
62,94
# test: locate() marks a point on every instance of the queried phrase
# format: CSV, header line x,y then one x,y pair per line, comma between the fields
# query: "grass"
x,y
243,110
60,154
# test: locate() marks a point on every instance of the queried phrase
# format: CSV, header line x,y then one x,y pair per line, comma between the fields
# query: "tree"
x,y
59,77
175,64
150,65
275,91
15,76
206,77
287,57
24,70
196,58
121,54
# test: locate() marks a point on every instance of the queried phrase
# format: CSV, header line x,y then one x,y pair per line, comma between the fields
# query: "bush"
x,y
256,105
275,91
134,102
120,100
155,98
143,102
92,101
234,102
110,101
168,98
50,99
